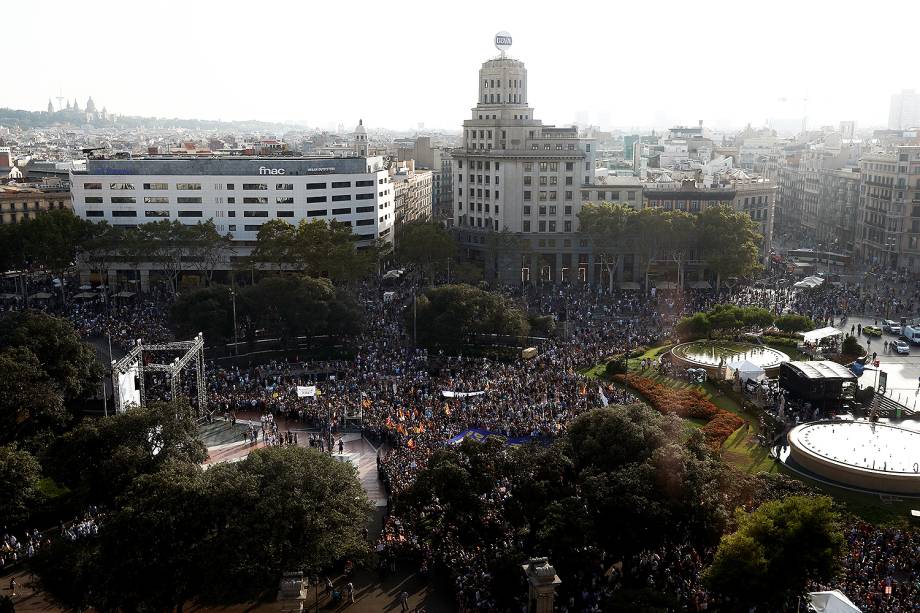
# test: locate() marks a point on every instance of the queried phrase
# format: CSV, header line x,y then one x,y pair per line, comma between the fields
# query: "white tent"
x,y
809,282
747,370
832,602
820,334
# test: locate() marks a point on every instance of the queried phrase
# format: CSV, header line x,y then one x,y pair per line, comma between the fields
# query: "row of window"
x,y
480,193
230,200
252,214
493,83
230,186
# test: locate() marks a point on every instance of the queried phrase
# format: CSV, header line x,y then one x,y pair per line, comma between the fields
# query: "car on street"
x,y
902,347
892,327
872,331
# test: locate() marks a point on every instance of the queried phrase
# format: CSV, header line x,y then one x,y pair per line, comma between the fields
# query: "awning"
x,y
820,333
832,602
124,295
629,285
86,286
10,296
40,296
668,285
86,295
700,285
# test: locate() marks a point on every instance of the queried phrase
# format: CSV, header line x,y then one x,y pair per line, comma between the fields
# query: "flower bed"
x,y
686,403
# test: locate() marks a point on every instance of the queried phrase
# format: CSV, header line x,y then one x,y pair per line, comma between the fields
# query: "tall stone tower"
x,y
50,106
90,105
360,139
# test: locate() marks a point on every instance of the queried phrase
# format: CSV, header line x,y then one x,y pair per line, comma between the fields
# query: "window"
x,y
542,209
341,211
280,200
156,213
95,213
252,228
121,185
588,148
188,186
526,209
232,227
364,209
585,196
340,184
189,213
255,213
526,225
191,200
231,213
254,186
231,186
231,200
552,226
364,222
568,209
155,200
341,198
93,200
360,197
284,186
284,214
315,199
92,186
554,180
552,209
321,213
542,226
526,195
123,199
542,180
251,200
363,183
316,186
568,195
156,186
527,180
542,196
568,226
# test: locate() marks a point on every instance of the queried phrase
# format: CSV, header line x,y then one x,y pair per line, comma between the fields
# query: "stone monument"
x,y
542,580
291,593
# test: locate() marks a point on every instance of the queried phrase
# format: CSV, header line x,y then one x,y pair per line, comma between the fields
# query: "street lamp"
x,y
236,346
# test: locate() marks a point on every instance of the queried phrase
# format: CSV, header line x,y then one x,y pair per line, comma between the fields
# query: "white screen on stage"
x,y
128,394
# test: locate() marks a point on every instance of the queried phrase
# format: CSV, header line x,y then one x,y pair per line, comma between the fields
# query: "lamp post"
x,y
236,346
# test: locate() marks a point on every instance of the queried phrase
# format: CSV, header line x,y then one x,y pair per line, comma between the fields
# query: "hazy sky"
x,y
397,64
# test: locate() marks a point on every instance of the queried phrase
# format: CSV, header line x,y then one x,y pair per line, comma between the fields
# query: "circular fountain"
x,y
711,354
873,456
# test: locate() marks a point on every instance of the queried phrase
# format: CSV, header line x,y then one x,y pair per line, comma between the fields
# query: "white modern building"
x,y
239,193
904,111
518,179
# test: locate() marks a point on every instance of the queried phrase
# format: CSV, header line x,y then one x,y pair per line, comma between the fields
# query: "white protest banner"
x,y
306,391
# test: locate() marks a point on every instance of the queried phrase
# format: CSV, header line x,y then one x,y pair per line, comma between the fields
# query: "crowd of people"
x,y
413,402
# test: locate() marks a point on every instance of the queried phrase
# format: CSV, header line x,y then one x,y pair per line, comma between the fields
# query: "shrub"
x,y
686,403
616,367
851,346
794,323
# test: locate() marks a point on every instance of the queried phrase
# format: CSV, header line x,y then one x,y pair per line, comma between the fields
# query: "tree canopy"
x,y
427,245
227,536
446,316
776,551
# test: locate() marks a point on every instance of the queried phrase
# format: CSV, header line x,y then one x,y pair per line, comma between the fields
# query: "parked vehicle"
x,y
911,334
902,347
872,331
892,327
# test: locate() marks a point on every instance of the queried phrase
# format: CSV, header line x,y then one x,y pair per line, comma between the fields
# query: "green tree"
x,y
606,224
208,310
66,359
166,243
427,245
679,240
694,326
101,457
776,551
30,403
20,473
446,316
219,536
52,240
794,323
207,248
730,242
317,248
648,229
101,246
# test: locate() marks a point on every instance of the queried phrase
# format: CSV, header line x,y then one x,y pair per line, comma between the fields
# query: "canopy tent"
x,y
124,295
10,297
809,282
629,285
700,285
820,334
832,602
667,285
747,370
41,296
86,286
86,295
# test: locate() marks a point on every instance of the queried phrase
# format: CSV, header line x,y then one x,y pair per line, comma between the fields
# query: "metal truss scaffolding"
x,y
134,361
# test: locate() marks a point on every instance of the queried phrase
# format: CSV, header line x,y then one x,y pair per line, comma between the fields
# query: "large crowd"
x,y
413,402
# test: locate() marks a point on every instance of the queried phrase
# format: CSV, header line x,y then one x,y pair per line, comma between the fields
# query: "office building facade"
x,y
516,187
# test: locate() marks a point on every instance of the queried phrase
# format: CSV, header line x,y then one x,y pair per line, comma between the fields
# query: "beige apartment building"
x,y
19,202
